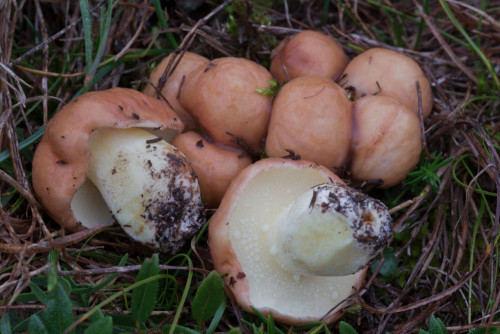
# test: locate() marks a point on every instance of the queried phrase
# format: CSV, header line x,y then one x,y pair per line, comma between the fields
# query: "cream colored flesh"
x,y
270,285
329,231
131,168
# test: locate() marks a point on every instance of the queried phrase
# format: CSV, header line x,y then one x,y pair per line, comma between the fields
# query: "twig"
x,y
53,38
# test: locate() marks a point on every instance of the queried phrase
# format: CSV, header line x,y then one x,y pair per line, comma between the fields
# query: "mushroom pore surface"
x,y
238,233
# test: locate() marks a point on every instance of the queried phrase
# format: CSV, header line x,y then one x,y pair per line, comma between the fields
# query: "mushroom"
x,y
387,140
385,72
223,97
311,118
284,228
308,53
135,177
171,89
215,165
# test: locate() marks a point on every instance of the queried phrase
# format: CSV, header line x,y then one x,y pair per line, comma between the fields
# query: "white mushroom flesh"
x,y
148,186
330,230
270,285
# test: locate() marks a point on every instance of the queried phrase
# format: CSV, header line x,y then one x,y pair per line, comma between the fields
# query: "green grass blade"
x,y
184,296
421,25
471,43
163,23
217,318
87,32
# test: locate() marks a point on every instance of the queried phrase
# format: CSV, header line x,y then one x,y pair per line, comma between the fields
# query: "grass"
x,y
441,271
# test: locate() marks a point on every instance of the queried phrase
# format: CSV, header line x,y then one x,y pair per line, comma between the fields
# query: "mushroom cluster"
x,y
367,124
105,156
220,96
121,155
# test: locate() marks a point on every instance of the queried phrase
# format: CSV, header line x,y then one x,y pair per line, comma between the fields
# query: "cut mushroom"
x,y
149,186
281,226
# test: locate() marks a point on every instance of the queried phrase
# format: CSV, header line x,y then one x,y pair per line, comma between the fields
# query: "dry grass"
x,y
447,236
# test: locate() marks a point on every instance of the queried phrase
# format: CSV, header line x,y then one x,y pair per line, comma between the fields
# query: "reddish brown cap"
x,y
62,158
216,166
308,53
171,89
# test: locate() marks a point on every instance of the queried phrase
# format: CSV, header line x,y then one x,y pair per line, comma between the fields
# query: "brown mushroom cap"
x,y
311,116
62,158
215,166
171,89
388,73
236,239
387,140
223,98
308,53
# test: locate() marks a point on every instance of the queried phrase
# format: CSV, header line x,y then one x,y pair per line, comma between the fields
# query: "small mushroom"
x,y
308,53
216,166
291,236
223,97
94,165
387,140
171,89
385,72
311,117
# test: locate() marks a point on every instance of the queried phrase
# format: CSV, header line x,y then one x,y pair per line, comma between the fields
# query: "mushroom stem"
x,y
330,230
147,184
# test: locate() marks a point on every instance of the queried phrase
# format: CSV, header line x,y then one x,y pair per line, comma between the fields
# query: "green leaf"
x,y
208,298
5,324
436,326
144,296
39,293
272,90
482,330
101,326
178,330
97,316
390,265
345,328
35,325
59,315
